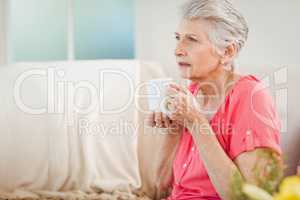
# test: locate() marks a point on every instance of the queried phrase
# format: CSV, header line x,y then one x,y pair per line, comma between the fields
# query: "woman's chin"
x,y
185,75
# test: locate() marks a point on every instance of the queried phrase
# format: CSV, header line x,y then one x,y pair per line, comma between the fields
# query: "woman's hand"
x,y
185,107
161,120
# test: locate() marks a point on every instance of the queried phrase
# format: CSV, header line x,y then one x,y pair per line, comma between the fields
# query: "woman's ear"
x,y
229,53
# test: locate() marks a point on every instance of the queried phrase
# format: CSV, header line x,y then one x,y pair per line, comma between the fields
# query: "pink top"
x,y
247,119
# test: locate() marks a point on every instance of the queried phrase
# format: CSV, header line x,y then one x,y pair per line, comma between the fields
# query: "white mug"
x,y
157,95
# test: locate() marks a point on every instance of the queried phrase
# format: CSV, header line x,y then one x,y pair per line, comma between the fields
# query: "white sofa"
x,y
72,127
59,140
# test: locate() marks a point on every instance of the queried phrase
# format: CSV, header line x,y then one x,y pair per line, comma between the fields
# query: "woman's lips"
x,y
184,64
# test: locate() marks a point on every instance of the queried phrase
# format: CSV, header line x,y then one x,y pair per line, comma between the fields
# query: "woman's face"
x,y
194,52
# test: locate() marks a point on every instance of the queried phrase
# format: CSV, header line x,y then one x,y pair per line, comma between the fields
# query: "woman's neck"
x,y
215,87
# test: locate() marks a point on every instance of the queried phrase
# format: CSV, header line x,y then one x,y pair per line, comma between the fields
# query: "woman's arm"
x,y
261,167
165,148
218,165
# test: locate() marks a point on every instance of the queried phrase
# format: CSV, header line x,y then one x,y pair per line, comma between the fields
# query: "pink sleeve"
x,y
255,122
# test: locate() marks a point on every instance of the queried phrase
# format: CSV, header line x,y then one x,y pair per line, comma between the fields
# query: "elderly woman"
x,y
229,125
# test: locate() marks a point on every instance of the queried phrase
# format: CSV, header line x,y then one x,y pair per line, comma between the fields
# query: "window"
x,y
104,26
66,29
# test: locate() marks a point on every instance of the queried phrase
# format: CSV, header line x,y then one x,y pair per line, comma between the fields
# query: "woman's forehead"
x,y
196,27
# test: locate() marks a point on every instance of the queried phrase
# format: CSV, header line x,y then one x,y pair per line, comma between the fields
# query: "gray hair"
x,y
228,24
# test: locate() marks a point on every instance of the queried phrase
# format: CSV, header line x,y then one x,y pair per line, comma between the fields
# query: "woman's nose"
x,y
179,51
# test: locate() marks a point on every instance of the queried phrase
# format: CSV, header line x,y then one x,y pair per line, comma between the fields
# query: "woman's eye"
x,y
192,39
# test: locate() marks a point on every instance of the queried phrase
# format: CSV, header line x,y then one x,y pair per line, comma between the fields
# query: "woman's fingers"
x,y
176,95
171,91
167,121
179,88
177,102
157,119
150,119
161,120
177,126
175,116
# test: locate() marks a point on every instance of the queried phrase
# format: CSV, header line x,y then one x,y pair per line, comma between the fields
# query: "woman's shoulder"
x,y
250,95
249,86
246,83
253,98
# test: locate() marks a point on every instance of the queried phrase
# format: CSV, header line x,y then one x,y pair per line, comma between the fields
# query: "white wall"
x,y
274,31
2,33
156,22
273,38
